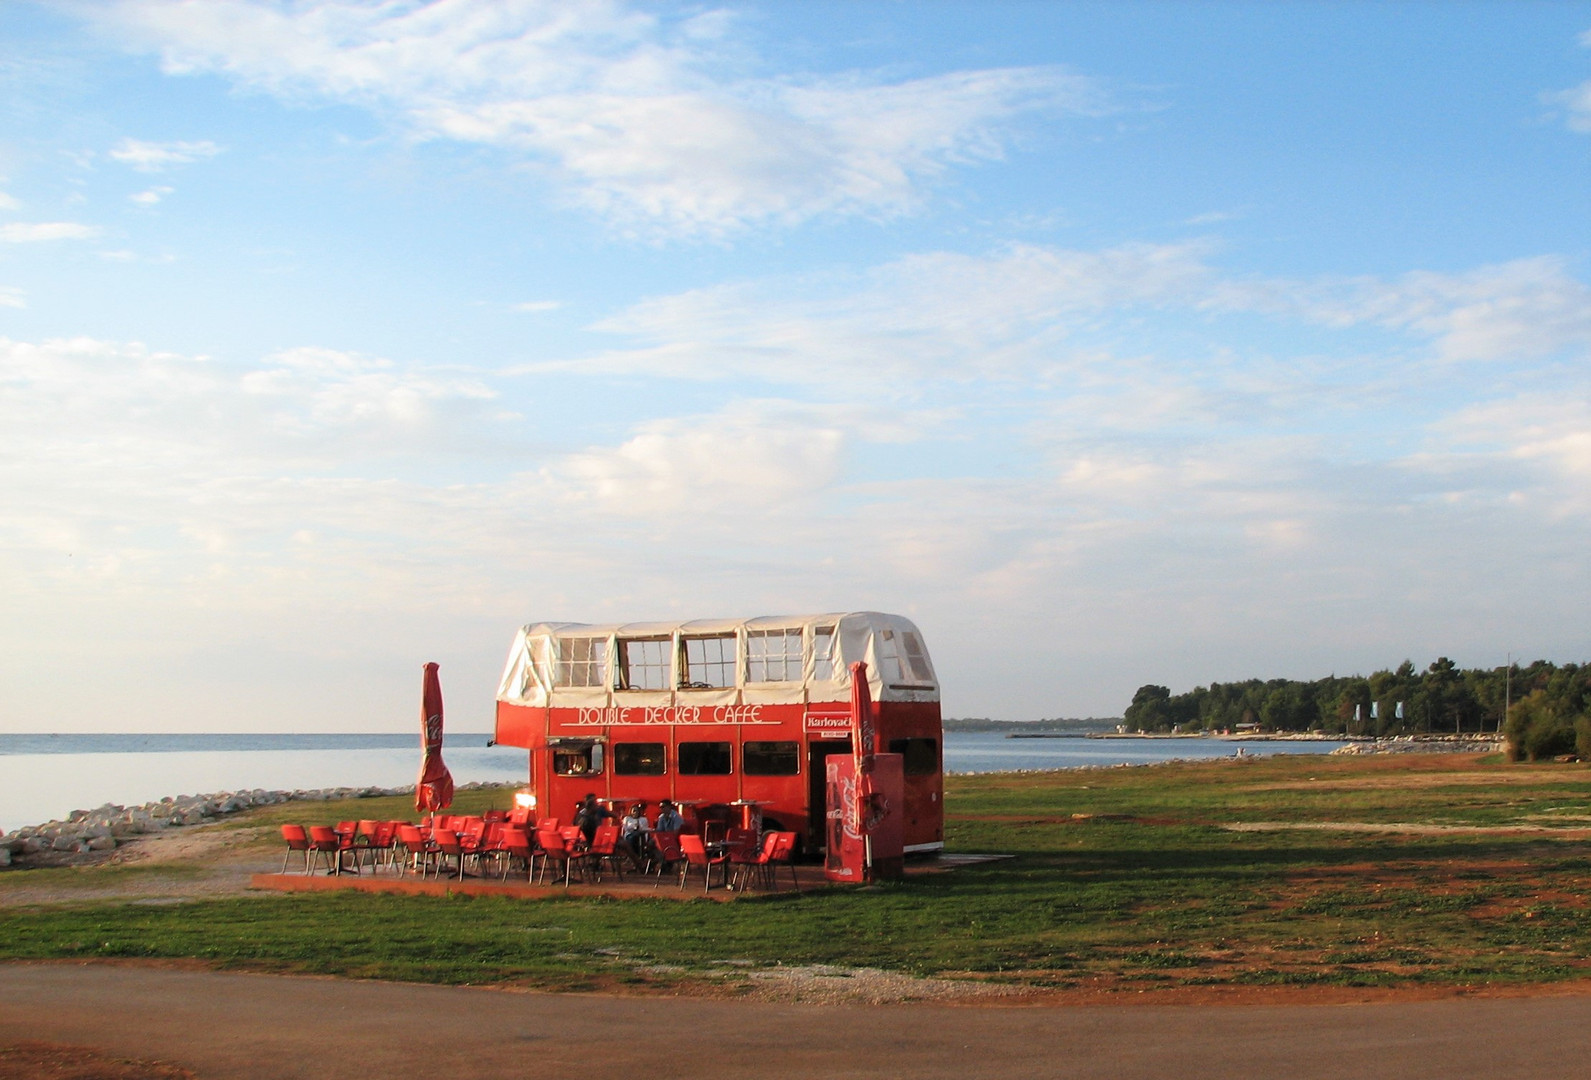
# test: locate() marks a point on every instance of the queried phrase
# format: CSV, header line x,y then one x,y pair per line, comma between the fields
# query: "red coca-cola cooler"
x,y
865,835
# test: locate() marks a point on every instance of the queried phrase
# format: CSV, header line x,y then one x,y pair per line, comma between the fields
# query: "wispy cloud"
x,y
151,196
35,232
652,122
1576,101
8,202
538,306
12,297
158,156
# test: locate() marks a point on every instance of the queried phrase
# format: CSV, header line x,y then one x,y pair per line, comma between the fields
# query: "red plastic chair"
x,y
517,845
749,861
665,852
488,847
605,845
416,848
384,843
297,840
554,849
696,855
784,854
495,815
446,844
323,840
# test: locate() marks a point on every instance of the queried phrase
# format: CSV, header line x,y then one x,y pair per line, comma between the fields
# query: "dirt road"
x,y
261,1026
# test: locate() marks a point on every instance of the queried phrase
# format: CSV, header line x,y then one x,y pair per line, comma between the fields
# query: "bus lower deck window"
x,y
770,758
580,759
920,757
638,759
704,759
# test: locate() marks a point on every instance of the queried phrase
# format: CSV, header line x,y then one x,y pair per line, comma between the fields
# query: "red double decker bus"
x,y
721,713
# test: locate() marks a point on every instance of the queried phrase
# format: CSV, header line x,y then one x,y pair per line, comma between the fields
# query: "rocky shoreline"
x,y
1418,744
109,826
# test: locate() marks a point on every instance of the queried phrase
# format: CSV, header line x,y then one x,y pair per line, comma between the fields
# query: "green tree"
x,y
1537,730
1150,709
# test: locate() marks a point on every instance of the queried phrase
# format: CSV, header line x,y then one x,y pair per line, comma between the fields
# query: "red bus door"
x,y
817,779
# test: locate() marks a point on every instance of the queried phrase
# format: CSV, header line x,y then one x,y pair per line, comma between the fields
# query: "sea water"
x,y
48,776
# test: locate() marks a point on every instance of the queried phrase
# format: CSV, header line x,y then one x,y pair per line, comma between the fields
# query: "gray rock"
x,y
102,843
65,843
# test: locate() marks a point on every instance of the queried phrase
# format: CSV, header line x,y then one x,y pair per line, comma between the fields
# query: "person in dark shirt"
x,y
590,814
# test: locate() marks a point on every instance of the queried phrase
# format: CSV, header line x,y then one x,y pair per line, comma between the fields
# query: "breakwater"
x,y
108,826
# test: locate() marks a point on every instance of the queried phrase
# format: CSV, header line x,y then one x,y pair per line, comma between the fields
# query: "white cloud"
x,y
1576,101
1057,315
1524,308
1548,433
41,231
12,297
158,156
930,316
538,306
647,120
8,202
752,457
151,196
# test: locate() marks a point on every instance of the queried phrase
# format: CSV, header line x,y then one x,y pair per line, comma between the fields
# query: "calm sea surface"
x,y
48,776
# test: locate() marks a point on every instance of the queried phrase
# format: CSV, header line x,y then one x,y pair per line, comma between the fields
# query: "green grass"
x,y
1122,879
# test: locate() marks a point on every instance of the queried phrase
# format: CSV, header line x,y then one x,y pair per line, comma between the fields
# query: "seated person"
x,y
588,815
633,831
668,818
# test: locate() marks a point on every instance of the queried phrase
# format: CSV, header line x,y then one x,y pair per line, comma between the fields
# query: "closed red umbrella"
x,y
862,727
869,806
434,789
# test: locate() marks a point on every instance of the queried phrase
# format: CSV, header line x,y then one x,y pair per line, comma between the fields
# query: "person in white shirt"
x,y
633,831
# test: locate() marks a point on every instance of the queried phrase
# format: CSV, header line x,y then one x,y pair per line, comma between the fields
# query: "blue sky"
x,y
1113,343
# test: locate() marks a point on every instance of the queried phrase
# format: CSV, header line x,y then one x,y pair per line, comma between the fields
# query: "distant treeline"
x,y
1072,724
1546,702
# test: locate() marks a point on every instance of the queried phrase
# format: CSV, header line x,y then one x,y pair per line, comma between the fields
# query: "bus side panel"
x,y
925,792
520,725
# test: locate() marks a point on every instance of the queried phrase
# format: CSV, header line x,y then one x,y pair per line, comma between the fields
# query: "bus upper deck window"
x,y
920,757
709,662
583,661
644,664
704,759
773,656
823,667
889,657
581,758
917,658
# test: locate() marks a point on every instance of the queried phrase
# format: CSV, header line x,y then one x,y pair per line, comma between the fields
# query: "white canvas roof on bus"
x,y
898,665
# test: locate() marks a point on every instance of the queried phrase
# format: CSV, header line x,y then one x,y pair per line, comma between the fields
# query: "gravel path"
x,y
261,1027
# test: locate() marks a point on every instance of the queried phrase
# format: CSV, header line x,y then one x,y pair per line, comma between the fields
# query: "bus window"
x,y
889,657
644,664
577,757
920,756
709,662
770,759
823,654
773,656
583,661
638,759
704,759
916,658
